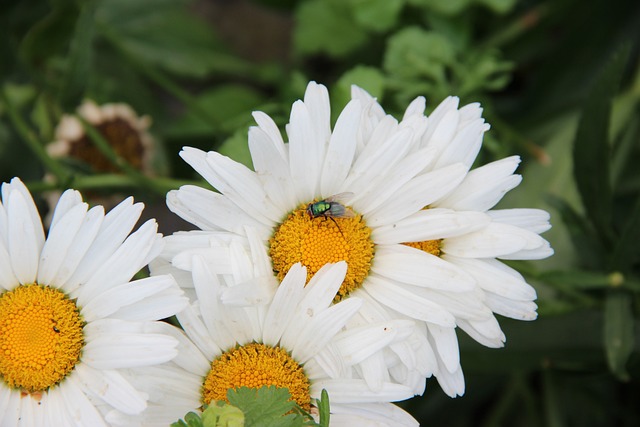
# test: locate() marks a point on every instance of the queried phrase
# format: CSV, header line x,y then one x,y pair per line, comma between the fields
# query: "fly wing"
x,y
340,211
341,198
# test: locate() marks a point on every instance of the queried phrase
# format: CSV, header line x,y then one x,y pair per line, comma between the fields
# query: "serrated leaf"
x,y
222,414
326,27
618,332
268,405
376,15
591,154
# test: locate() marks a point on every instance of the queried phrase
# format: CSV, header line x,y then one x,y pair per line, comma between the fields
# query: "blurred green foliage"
x,y
559,82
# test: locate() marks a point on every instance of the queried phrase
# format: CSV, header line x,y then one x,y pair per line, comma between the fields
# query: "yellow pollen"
x,y
125,141
256,365
315,242
40,337
429,246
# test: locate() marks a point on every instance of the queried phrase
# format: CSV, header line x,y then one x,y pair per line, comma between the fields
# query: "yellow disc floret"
x,y
40,337
315,242
429,246
256,365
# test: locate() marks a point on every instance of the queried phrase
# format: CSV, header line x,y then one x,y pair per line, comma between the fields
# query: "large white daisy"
x,y
286,341
395,200
70,320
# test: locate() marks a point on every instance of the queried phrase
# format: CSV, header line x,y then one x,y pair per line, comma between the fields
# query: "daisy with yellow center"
x,y
283,341
70,320
420,239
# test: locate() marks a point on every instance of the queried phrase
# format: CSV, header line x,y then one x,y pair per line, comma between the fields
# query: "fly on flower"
x,y
332,207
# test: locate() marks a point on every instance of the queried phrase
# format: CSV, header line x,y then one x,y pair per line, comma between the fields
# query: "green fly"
x,y
331,207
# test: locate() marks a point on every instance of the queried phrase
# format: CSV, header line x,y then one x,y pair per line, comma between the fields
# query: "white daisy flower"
x,y
283,342
70,320
395,200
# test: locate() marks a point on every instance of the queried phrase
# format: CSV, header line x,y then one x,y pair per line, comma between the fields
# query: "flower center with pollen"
x,y
314,242
40,337
429,246
256,365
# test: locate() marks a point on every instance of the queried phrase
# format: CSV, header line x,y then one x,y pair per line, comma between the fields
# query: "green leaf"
x,y
268,405
376,15
413,52
221,414
79,58
625,252
323,409
445,7
618,332
165,33
324,26
498,6
591,155
581,232
190,420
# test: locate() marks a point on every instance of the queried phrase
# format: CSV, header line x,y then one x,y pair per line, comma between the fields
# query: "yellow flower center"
x,y
123,138
40,337
256,365
429,246
317,241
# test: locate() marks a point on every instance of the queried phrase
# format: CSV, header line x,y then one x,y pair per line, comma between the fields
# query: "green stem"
x,y
524,23
29,137
110,181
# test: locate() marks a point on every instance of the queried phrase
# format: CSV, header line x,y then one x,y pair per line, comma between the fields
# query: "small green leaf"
x,y
221,414
325,27
376,15
268,405
618,332
323,409
591,155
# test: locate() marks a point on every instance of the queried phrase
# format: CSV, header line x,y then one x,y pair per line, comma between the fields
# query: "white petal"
x,y
78,248
413,266
429,224
242,186
306,153
493,276
519,310
115,227
486,332
80,409
321,328
271,129
190,358
281,312
495,240
357,344
8,280
371,414
341,150
357,391
421,191
483,187
68,200
272,169
446,345
112,388
199,334
24,241
535,220
61,237
10,401
402,300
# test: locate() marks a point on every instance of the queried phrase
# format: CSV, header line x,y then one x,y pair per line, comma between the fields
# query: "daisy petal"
x,y
112,388
24,241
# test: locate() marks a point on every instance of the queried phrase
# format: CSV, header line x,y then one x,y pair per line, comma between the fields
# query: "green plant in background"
x,y
542,71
